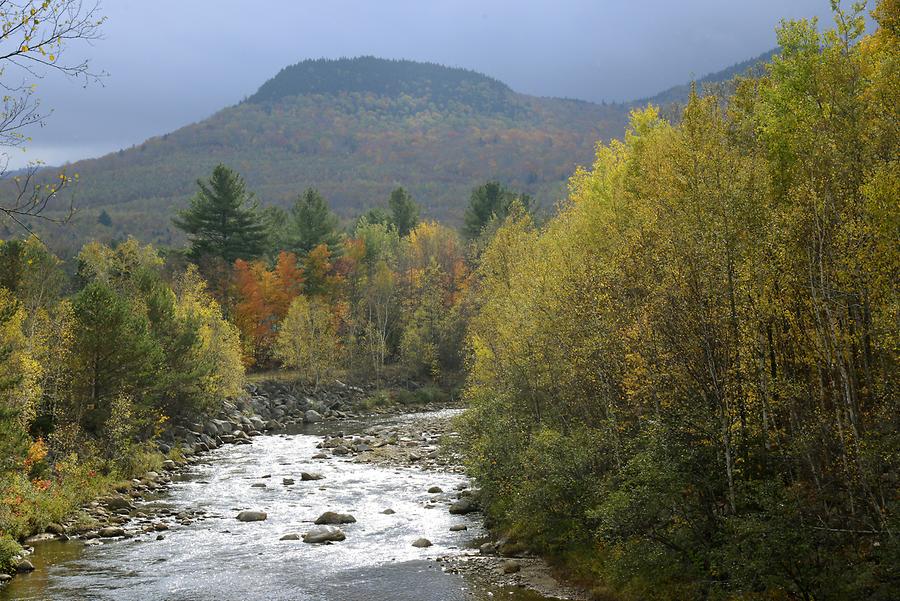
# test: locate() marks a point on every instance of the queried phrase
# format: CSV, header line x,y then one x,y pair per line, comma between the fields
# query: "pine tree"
x,y
312,223
404,211
222,221
490,202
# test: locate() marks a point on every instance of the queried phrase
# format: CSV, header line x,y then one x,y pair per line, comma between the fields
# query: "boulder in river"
x,y
292,536
307,476
116,502
435,490
24,566
421,543
331,517
458,527
312,416
324,534
252,516
388,511
510,567
111,531
464,506
257,485
287,481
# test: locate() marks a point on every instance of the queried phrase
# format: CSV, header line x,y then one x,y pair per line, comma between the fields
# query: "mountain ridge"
x,y
375,124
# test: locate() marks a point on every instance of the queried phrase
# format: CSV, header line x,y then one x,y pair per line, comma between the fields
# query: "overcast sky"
x,y
173,62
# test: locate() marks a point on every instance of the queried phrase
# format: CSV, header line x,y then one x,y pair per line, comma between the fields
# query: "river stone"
x,y
312,416
388,511
435,489
292,536
5,578
24,566
111,531
421,543
510,567
458,528
55,529
257,485
252,516
320,456
307,476
331,517
463,506
324,534
340,450
287,481
117,502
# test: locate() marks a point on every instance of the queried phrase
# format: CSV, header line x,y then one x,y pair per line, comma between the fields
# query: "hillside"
x,y
354,129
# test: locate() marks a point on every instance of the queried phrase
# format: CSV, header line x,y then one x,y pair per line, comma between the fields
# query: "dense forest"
x,y
681,385
686,382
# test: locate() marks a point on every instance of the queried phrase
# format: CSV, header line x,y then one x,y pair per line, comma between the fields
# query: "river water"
x,y
219,558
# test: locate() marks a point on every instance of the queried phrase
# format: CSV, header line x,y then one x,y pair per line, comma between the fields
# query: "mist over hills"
x,y
355,129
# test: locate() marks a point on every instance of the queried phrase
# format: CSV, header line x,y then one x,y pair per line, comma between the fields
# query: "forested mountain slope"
x,y
354,129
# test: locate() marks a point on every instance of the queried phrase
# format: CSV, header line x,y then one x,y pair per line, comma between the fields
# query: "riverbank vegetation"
x,y
685,383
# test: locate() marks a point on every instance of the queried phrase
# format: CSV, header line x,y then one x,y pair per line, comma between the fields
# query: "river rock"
x,y
4,578
421,543
340,450
292,536
463,506
435,490
55,529
331,517
510,567
24,566
252,516
307,476
312,416
257,485
458,527
320,456
287,481
324,534
117,502
111,531
388,511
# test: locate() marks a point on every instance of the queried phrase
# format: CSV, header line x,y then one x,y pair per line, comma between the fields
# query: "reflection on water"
x,y
219,558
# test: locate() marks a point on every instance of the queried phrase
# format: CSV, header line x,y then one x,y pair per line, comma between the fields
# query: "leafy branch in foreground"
x,y
34,39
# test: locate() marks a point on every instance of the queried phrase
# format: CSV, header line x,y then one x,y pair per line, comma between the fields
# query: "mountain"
x,y
355,129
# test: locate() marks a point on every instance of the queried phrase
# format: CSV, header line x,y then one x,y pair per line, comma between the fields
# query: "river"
x,y
219,558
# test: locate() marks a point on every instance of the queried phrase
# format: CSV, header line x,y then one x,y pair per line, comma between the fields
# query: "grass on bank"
x,y
50,494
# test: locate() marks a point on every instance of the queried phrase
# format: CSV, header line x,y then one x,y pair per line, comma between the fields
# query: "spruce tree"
x,y
490,201
404,211
312,223
222,220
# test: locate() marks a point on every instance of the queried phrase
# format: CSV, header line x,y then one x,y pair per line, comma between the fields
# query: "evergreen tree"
x,y
374,216
404,211
489,202
312,223
222,221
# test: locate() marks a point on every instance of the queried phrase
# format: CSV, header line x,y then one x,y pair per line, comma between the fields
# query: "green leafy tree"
x,y
307,339
311,224
404,211
222,220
